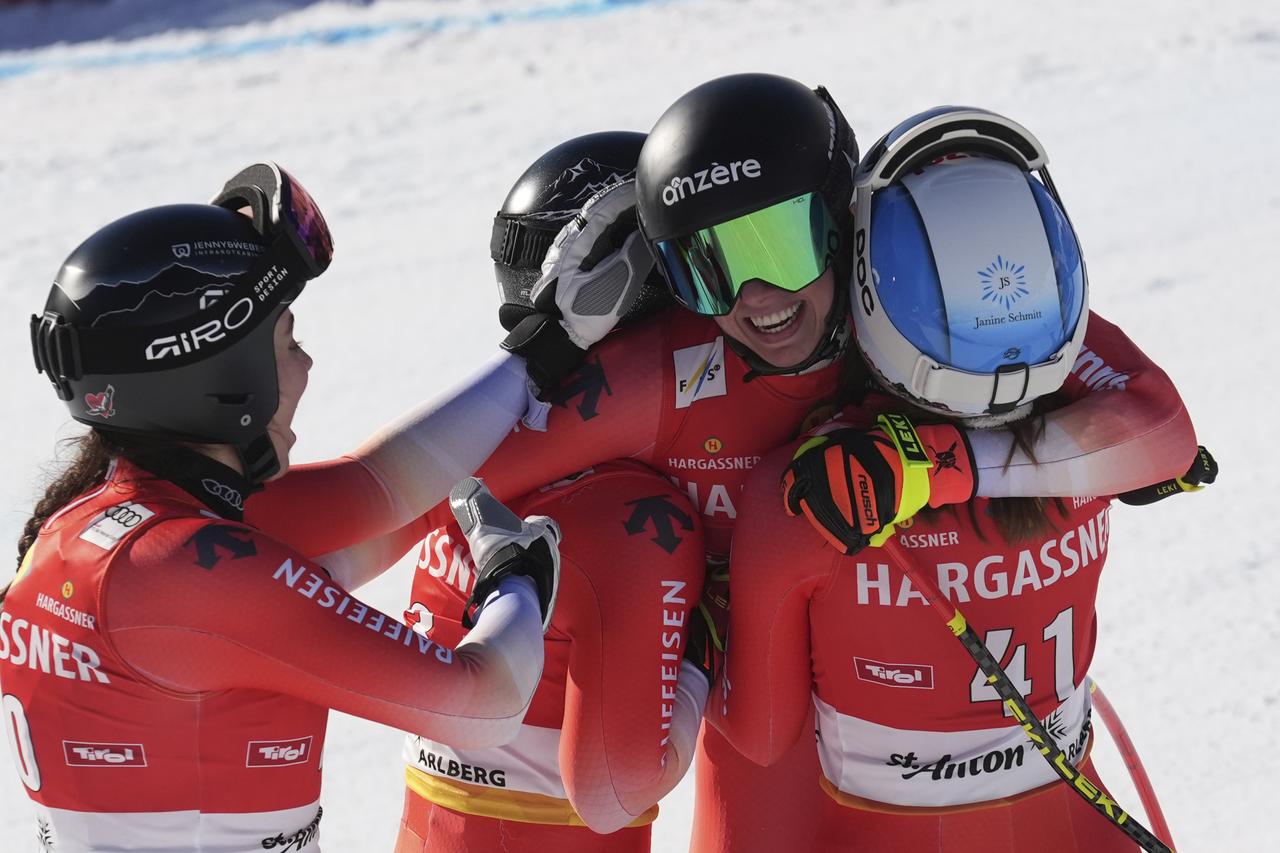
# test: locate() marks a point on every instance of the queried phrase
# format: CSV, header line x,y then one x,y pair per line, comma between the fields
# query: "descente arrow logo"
x,y
589,381
213,538
661,512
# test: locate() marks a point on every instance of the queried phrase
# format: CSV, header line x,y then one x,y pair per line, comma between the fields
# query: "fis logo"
x,y
894,674
715,175
699,373
82,754
278,753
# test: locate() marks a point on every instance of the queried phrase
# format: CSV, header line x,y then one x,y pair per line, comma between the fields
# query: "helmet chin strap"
x,y
835,339
258,459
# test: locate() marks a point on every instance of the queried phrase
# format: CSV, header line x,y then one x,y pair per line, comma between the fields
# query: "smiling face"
x,y
292,367
781,327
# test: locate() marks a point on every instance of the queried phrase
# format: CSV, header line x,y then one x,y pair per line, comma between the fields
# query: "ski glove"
x,y
591,276
503,545
855,485
1203,470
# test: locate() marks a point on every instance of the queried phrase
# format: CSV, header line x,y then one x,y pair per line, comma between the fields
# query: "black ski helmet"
x,y
162,323
739,144
543,200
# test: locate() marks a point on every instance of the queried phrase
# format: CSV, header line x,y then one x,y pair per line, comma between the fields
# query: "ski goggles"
x,y
922,140
299,247
787,245
286,215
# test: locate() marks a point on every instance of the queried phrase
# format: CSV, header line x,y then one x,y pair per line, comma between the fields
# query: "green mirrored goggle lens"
x,y
787,245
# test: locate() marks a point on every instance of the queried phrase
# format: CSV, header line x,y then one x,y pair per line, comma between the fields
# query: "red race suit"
x,y
167,672
613,724
917,751
671,393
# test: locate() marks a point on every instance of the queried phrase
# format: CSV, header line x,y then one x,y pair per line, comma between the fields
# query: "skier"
x,y
167,670
972,265
612,726
700,397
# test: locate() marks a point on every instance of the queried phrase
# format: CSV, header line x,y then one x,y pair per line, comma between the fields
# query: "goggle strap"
x,y
124,350
949,130
246,189
837,189
56,350
517,244
925,150
276,201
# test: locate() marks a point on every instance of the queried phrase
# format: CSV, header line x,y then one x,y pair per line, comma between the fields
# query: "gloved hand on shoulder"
x,y
592,274
502,545
854,485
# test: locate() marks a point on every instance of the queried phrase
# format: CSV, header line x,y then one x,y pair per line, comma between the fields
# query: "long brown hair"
x,y
92,455
1022,518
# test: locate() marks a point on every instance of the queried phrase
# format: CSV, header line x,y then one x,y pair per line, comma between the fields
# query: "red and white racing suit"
x,y
613,723
917,751
167,672
671,394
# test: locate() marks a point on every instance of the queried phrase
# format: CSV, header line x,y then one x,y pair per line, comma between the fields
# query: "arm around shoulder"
x,y
200,605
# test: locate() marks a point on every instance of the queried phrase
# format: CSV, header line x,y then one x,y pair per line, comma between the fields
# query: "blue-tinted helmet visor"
x,y
998,308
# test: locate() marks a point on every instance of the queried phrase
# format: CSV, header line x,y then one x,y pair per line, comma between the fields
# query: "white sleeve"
x,y
507,641
420,456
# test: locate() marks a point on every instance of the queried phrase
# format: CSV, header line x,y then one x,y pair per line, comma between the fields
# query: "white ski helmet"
x,y
969,290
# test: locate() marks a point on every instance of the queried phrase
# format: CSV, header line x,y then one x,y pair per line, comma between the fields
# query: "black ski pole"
x,y
1021,710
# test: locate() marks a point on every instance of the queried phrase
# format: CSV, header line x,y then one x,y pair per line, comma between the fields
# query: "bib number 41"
x,y
1059,632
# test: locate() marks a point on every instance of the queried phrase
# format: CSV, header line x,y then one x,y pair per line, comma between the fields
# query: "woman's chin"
x,y
784,352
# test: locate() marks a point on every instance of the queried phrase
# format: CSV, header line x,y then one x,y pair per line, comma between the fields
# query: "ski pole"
x,y
1021,710
1129,753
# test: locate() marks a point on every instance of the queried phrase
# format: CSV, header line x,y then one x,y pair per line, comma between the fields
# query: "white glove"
x,y
596,266
502,545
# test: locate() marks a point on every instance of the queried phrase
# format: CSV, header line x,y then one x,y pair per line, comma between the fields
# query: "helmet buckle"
x,y
1009,387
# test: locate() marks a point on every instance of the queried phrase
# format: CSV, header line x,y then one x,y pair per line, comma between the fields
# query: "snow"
x,y
409,120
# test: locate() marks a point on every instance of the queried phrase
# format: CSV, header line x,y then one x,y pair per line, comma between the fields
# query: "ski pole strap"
x,y
916,465
1017,704
1203,470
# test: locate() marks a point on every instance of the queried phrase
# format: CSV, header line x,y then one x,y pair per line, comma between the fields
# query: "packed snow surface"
x,y
410,120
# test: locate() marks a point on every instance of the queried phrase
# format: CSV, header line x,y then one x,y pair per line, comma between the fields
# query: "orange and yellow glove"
x,y
854,485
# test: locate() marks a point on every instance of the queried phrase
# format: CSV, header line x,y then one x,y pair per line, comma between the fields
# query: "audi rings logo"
x,y
124,515
223,492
